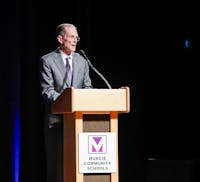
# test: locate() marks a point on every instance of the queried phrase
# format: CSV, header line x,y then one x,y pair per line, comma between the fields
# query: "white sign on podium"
x,y
97,152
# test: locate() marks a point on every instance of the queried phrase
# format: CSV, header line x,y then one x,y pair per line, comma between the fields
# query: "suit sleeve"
x,y
87,80
46,82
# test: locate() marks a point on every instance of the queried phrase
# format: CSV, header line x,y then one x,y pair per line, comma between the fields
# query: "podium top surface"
x,y
93,101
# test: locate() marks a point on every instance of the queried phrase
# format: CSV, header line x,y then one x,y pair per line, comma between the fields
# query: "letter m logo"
x,y
97,144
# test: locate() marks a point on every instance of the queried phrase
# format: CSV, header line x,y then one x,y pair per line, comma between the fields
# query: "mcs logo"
x,y
97,144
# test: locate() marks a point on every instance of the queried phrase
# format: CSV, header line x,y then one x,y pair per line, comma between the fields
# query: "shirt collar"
x,y
64,56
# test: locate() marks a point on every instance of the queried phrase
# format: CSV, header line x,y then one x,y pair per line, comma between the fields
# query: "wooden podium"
x,y
89,110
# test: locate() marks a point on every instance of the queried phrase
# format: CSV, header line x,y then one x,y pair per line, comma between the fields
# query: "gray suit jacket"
x,y
53,78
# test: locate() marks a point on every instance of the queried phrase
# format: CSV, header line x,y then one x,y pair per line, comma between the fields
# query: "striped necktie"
x,y
69,71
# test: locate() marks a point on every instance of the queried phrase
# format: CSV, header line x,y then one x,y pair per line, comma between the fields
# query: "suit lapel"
x,y
59,62
75,69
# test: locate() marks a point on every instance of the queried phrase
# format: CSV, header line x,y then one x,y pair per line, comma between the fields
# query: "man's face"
x,y
69,40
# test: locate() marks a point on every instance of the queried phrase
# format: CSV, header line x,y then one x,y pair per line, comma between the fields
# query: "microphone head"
x,y
81,52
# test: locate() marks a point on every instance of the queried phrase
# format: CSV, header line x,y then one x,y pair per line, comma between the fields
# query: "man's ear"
x,y
59,38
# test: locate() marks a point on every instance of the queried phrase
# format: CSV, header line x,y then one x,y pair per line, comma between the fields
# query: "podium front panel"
x,y
96,123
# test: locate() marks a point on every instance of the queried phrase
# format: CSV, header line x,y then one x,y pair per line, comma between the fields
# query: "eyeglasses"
x,y
73,37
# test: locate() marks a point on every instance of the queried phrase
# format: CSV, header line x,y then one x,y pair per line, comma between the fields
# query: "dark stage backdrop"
x,y
131,45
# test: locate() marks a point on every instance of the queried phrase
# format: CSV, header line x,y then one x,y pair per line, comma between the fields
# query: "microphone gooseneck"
x,y
82,53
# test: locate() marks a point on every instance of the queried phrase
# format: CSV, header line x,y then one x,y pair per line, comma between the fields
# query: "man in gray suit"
x,y
54,78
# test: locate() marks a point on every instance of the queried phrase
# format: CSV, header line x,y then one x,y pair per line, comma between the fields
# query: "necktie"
x,y
69,71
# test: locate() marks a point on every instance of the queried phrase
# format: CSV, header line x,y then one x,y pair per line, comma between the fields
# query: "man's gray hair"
x,y
60,29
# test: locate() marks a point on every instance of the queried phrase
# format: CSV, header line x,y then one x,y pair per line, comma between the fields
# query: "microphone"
x,y
82,53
